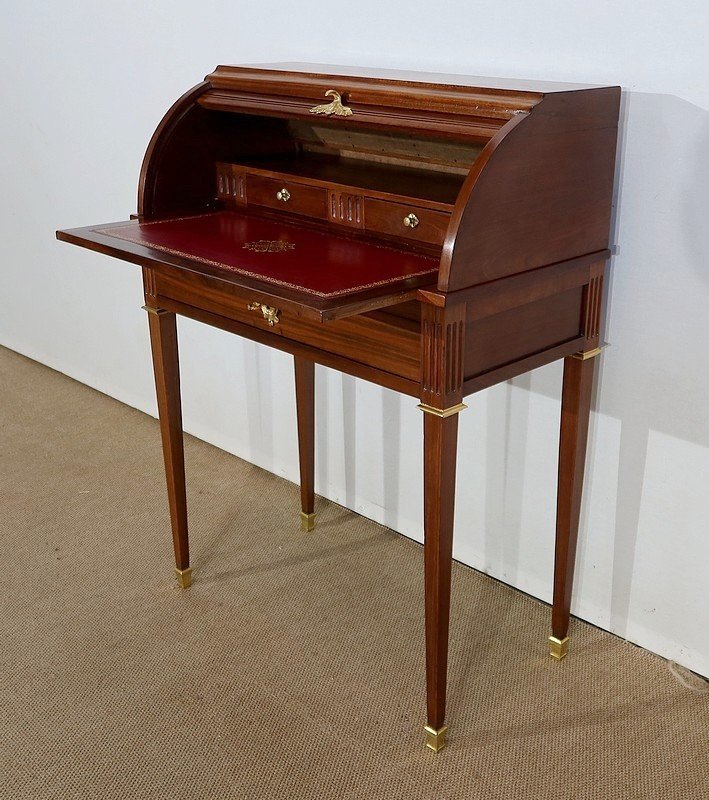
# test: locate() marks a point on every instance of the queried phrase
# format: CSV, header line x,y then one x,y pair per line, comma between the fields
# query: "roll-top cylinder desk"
x,y
433,234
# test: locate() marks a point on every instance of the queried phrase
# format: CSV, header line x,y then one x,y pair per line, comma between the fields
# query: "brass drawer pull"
x,y
270,314
411,220
334,109
283,194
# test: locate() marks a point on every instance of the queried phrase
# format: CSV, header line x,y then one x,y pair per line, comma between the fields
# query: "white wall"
x,y
84,85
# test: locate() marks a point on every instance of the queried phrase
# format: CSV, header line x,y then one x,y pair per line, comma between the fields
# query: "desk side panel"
x,y
510,340
540,192
517,333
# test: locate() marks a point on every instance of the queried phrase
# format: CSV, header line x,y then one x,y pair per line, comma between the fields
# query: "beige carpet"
x,y
293,668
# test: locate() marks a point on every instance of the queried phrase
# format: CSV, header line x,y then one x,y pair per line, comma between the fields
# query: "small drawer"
x,y
238,304
296,198
407,222
378,339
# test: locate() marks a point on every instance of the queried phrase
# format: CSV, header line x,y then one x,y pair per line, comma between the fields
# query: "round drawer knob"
x,y
411,220
283,194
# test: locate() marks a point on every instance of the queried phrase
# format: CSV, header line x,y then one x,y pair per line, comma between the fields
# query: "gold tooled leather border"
x,y
113,232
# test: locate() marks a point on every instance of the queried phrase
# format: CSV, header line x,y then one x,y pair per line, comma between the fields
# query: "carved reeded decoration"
x,y
592,307
346,208
454,356
149,284
443,335
269,246
431,356
231,186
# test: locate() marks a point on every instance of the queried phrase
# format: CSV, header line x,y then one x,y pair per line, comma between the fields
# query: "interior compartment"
x,y
404,165
372,177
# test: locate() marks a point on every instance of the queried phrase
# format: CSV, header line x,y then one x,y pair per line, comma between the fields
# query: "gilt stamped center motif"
x,y
269,246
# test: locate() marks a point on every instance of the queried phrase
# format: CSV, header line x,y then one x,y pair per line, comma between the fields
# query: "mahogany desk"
x,y
433,234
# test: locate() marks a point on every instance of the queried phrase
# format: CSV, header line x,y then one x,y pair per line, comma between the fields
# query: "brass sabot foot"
x,y
558,648
435,739
307,522
184,577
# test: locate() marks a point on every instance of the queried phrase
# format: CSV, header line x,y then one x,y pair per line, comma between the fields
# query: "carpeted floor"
x,y
293,668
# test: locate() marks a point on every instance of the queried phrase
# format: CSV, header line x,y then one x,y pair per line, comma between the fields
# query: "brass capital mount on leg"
x,y
435,738
584,356
442,412
156,311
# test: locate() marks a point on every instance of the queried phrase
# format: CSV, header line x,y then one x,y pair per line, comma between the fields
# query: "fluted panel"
x,y
592,307
345,209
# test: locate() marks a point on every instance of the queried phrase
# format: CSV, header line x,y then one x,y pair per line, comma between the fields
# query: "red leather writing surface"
x,y
320,263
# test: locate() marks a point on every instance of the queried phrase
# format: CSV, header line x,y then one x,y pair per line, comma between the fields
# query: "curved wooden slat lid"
x,y
413,100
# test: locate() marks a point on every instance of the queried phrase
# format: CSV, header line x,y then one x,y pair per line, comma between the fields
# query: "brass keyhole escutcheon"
x,y
283,195
270,314
411,220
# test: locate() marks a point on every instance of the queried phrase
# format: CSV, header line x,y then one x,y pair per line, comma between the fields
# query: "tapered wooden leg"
x,y
305,405
163,341
442,339
575,412
440,439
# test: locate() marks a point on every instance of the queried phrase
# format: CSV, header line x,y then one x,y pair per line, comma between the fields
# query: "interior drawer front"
x,y
296,198
405,221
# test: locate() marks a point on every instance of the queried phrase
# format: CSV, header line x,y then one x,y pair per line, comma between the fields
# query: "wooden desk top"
x,y
435,79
